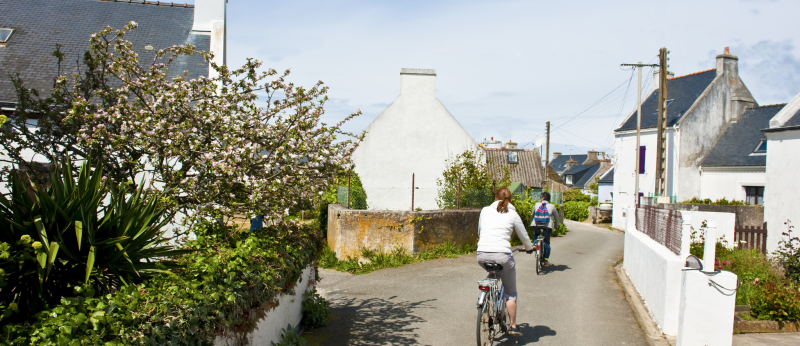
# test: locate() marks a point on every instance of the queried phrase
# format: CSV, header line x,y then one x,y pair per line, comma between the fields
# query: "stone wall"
x,y
414,231
746,215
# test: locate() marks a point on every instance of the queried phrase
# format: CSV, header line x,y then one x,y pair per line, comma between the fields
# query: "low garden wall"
x,y
746,215
413,231
286,314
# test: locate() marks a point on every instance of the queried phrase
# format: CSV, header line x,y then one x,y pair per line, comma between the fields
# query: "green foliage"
x,y
398,257
358,195
218,289
576,210
560,230
722,201
290,337
777,301
61,237
576,195
475,179
788,254
316,310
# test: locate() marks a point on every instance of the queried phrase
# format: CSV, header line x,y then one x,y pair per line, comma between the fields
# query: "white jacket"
x,y
494,229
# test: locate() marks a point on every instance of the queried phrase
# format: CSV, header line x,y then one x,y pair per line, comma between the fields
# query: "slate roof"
x,y
739,140
40,24
794,120
683,90
528,170
580,175
560,163
608,177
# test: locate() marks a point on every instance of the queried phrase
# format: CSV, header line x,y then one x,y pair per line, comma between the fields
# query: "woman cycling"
x,y
495,226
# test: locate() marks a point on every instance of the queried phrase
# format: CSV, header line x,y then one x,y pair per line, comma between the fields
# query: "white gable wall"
x,y
729,183
415,134
782,188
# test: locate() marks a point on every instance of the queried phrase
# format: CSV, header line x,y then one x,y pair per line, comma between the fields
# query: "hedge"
x,y
576,211
224,287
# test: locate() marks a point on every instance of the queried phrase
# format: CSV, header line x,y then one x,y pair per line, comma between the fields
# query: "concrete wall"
x,y
286,314
782,186
415,134
655,271
717,183
350,230
746,215
604,192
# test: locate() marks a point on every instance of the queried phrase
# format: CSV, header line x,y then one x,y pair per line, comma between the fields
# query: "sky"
x,y
504,68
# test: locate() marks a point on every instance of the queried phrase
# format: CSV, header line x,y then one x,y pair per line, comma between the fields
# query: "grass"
x,y
397,258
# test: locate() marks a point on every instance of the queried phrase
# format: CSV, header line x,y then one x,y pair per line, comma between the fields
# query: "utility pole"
x,y
638,128
547,152
661,144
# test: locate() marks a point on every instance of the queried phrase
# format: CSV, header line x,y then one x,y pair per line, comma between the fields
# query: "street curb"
x,y
649,327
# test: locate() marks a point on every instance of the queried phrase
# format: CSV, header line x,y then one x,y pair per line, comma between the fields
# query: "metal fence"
x,y
662,225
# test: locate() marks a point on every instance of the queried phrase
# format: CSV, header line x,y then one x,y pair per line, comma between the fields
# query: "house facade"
x,y
782,187
700,106
605,186
415,135
735,168
524,166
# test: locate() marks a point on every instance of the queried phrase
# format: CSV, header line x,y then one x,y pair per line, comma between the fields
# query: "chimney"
x,y
205,12
656,84
591,156
417,82
727,63
555,155
570,163
511,145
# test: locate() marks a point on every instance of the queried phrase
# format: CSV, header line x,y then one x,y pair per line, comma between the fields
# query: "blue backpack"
x,y
542,216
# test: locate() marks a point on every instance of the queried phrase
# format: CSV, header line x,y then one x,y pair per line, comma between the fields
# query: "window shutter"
x,y
641,158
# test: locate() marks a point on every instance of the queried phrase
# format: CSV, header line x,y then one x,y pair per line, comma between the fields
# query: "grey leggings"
x,y
508,274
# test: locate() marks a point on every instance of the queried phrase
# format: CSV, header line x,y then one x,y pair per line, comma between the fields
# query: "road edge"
x,y
651,331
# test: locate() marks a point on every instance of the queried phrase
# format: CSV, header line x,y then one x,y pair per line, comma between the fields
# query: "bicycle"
x,y
538,246
492,313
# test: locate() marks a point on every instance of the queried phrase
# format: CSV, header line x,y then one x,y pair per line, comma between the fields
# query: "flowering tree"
x,y
212,146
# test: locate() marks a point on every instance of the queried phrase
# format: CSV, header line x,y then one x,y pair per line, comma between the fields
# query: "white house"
x,y
783,188
414,135
605,186
700,107
735,168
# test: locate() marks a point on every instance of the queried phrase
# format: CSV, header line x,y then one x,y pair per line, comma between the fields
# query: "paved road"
x,y
579,302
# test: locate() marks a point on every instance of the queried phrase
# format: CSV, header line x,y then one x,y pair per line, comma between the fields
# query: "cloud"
x,y
503,94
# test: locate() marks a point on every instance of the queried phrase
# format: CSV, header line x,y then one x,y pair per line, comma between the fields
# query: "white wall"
x,y
655,271
415,134
604,192
726,223
287,313
729,183
782,187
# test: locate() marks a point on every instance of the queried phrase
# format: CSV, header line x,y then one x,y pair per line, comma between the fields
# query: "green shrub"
x,y
723,201
560,230
576,210
776,301
221,284
577,196
316,310
290,337
61,237
788,254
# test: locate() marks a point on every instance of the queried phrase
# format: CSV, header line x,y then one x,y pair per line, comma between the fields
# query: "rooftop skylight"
x,y
5,34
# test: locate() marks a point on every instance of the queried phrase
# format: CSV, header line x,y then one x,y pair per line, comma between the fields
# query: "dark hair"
x,y
504,196
546,196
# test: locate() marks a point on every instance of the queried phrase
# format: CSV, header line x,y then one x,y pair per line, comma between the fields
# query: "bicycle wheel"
x,y
538,256
540,260
485,325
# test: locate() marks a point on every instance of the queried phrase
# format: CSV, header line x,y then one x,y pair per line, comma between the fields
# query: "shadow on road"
x,y
557,268
373,321
529,334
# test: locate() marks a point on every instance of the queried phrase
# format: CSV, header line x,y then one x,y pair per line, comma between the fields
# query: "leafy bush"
x,y
576,210
776,301
788,254
222,287
560,230
475,180
61,237
290,337
316,310
576,196
722,201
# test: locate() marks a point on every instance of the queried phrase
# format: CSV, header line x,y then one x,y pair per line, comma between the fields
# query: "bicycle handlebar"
x,y
522,250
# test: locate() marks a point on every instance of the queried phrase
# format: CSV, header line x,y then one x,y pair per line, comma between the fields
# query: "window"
x,y
761,147
754,195
512,157
5,34
569,179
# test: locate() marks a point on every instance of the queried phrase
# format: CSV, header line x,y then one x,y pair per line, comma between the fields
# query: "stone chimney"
x,y
555,155
741,98
570,163
591,156
418,83
511,145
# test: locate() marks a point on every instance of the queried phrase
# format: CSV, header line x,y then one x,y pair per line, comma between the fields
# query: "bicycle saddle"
x,y
492,267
